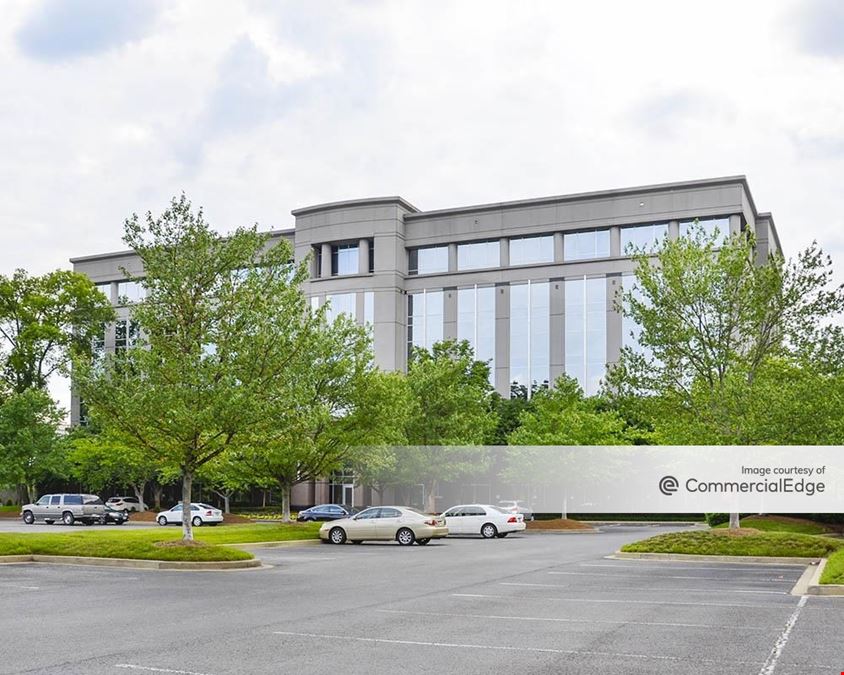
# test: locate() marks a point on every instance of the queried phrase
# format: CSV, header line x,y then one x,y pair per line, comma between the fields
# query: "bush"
x,y
713,519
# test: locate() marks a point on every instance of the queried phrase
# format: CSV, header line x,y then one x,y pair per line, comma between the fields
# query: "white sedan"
x,y
488,521
201,514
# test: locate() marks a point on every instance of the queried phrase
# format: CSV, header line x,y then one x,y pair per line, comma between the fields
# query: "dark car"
x,y
325,512
112,515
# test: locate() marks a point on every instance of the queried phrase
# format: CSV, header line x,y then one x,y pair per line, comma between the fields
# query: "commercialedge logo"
x,y
668,485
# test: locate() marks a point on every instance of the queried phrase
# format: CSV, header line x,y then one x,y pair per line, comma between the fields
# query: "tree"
x,y
29,448
712,323
450,405
225,477
222,323
345,410
44,321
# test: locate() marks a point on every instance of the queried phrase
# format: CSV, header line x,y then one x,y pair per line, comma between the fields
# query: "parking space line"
x,y
660,576
746,567
505,648
771,662
151,669
649,590
617,602
26,588
708,626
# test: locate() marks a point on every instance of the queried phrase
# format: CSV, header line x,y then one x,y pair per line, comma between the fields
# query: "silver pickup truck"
x,y
68,508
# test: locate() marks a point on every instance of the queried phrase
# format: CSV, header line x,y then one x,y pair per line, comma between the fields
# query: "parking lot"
x,y
526,604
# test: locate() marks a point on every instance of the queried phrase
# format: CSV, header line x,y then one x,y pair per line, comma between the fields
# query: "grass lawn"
x,y
781,524
750,543
140,544
833,573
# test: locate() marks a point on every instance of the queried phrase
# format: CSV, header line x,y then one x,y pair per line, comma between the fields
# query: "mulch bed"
x,y
150,516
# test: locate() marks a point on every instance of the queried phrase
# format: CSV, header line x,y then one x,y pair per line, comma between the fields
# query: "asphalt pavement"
x,y
526,604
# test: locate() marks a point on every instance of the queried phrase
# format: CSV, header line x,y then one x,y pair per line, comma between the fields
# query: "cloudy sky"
x,y
254,108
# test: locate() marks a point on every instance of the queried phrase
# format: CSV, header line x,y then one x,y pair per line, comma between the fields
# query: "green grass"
x,y
140,544
833,573
9,509
765,544
775,525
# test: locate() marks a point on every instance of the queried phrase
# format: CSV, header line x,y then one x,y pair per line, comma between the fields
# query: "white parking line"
x,y
150,669
27,588
771,662
660,576
503,648
747,567
556,620
648,590
615,602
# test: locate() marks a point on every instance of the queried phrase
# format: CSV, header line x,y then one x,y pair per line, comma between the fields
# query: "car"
x,y
385,523
68,508
325,512
516,506
201,514
125,503
112,515
483,519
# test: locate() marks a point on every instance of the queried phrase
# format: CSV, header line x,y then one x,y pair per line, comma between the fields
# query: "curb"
x,y
591,530
688,557
815,587
643,522
218,565
276,544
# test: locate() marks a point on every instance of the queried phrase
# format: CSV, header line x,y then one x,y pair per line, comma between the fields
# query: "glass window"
x,y
368,514
44,500
528,250
317,269
369,308
586,331
105,289
530,334
344,259
430,260
476,322
425,316
642,237
586,245
55,500
478,255
130,291
717,227
126,334
340,303
98,343
389,513
73,500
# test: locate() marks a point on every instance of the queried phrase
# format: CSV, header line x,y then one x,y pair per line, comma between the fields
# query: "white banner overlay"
x,y
630,479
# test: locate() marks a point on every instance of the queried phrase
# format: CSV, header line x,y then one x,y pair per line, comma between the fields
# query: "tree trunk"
x,y
226,503
187,484
285,503
431,498
138,489
157,489
565,514
31,492
735,523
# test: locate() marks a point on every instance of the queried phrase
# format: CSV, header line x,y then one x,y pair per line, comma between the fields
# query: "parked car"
x,y
112,515
125,503
201,514
325,512
68,508
483,519
516,506
385,523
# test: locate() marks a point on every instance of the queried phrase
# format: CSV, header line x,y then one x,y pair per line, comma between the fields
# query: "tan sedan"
x,y
385,523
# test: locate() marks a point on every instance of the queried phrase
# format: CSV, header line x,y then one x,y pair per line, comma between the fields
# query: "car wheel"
x,y
337,535
488,531
405,536
67,518
28,518
422,542
162,520
196,521
501,535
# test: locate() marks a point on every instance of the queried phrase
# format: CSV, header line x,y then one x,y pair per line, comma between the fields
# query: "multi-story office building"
x,y
531,284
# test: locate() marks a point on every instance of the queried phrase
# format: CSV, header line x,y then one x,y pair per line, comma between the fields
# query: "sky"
x,y
254,108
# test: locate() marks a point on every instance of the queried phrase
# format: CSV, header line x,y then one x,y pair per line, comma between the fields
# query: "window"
x,y
711,227
476,322
55,500
344,259
340,303
126,334
473,511
368,514
98,343
642,237
130,291
389,513
431,260
530,334
105,289
586,331
73,500
425,318
478,255
317,250
177,508
369,308
529,250
44,500
586,245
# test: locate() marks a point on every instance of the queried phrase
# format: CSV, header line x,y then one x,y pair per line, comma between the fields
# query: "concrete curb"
x,y
276,544
589,531
218,565
687,557
815,587
644,522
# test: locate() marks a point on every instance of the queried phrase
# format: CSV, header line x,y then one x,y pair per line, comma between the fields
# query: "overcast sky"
x,y
256,108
